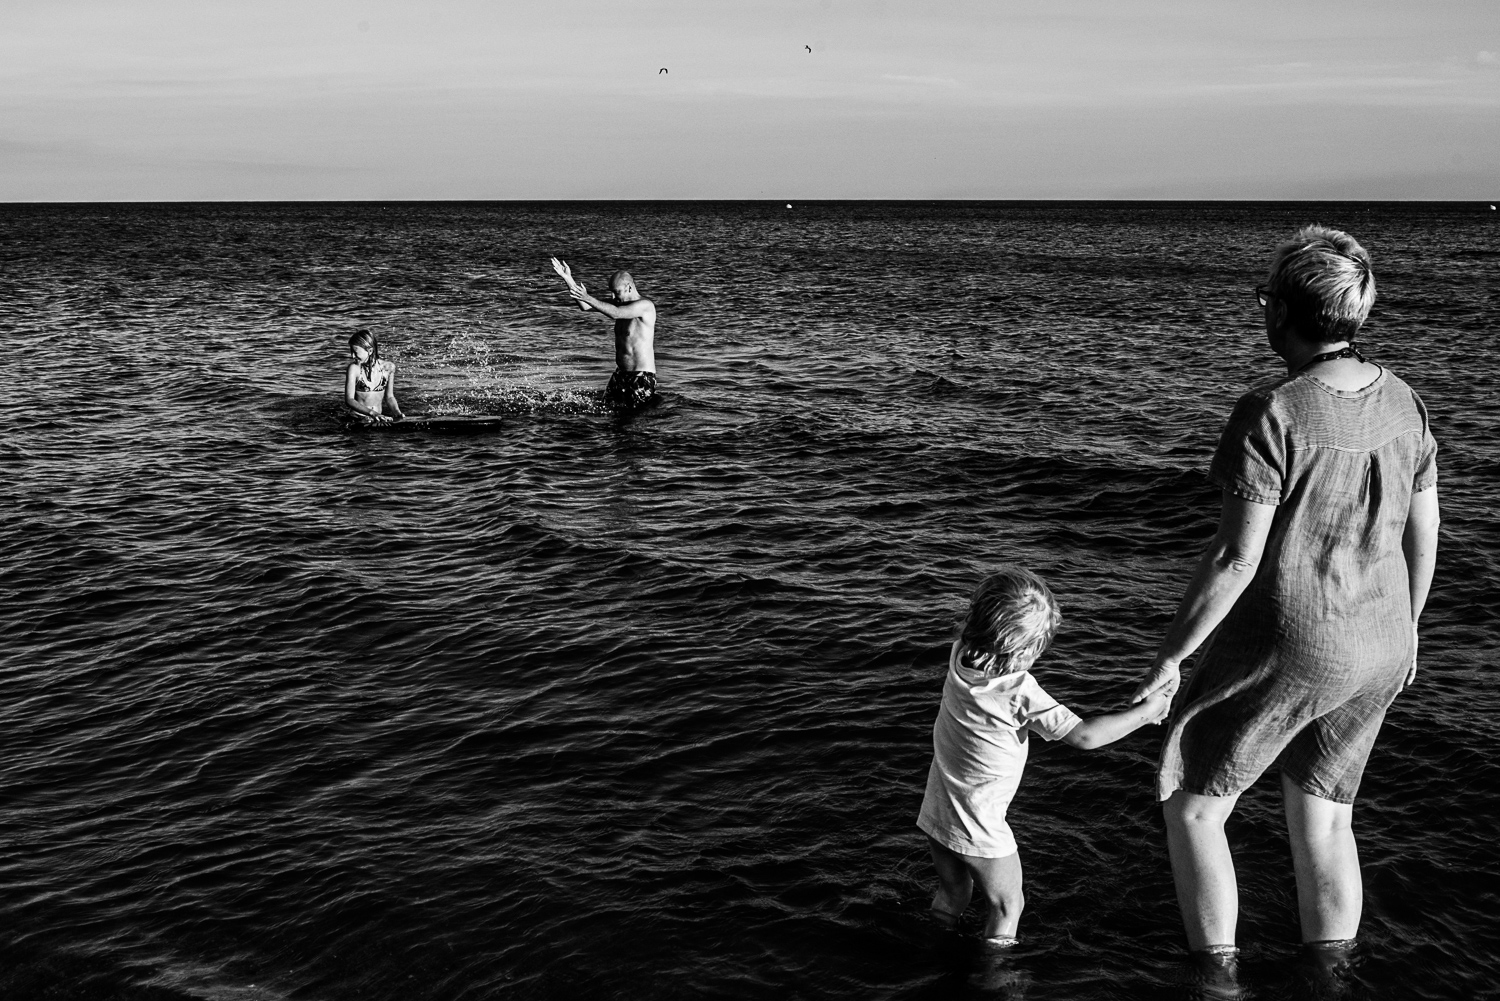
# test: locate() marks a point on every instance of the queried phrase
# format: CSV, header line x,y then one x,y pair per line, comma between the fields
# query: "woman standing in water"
x,y
1307,598
370,383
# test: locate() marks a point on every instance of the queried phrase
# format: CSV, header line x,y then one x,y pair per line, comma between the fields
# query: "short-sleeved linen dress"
x,y
978,753
1303,668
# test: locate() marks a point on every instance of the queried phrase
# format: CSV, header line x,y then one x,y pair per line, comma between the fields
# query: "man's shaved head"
x,y
622,286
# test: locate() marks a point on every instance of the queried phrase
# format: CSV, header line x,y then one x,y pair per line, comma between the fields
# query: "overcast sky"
x,y
354,99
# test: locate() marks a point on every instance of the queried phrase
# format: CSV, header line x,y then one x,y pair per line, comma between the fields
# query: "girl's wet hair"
x,y
365,338
1323,276
1011,620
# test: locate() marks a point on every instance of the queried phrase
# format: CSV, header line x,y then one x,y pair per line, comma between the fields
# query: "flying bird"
x,y
807,47
661,71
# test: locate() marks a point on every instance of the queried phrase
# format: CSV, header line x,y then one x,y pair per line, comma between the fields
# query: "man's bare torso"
x,y
634,342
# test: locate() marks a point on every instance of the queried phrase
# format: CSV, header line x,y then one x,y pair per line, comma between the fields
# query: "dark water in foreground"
x,y
608,708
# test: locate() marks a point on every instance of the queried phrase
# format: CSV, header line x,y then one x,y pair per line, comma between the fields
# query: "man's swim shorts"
x,y
630,389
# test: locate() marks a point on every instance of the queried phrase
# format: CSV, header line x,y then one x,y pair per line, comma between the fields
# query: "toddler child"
x,y
990,702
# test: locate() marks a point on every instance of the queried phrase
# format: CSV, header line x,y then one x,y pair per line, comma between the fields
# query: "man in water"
x,y
634,381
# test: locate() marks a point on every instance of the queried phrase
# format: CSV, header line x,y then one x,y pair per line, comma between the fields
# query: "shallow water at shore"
x,y
640,706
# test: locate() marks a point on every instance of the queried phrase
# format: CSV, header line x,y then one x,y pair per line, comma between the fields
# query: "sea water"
x,y
613,706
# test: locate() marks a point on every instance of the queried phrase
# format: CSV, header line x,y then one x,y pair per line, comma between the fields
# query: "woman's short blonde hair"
x,y
1323,276
1011,620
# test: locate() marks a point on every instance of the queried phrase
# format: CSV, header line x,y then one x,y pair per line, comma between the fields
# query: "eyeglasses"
x,y
1263,295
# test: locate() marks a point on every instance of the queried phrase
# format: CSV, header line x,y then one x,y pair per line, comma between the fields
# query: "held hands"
x,y
1157,707
1163,679
1154,694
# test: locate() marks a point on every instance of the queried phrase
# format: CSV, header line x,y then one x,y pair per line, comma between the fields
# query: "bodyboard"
x,y
435,425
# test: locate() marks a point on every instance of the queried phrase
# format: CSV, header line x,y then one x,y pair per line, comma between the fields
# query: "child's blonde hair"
x,y
365,338
1011,620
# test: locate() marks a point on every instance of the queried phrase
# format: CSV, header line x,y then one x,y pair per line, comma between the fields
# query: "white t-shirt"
x,y
978,752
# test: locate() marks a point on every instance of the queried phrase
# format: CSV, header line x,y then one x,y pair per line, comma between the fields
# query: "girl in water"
x,y
370,385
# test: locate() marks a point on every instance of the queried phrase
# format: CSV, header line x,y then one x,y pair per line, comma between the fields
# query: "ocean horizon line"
x,y
1479,202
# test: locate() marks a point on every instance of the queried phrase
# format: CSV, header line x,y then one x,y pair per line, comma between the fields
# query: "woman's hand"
x,y
1411,673
1162,679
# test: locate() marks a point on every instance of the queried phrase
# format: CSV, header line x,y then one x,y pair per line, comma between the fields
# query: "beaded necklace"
x,y
1347,351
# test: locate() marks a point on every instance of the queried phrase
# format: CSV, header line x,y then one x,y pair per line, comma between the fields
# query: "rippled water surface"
x,y
608,707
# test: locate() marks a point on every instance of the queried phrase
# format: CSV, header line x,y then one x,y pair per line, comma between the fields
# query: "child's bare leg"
x,y
955,883
1000,880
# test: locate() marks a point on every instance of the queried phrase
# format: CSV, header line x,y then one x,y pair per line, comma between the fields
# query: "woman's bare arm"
x,y
1223,573
1419,543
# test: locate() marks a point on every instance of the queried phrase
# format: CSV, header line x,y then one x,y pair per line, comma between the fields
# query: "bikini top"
x,y
362,383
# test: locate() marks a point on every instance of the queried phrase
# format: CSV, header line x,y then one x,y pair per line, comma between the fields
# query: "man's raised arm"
x,y
623,311
574,285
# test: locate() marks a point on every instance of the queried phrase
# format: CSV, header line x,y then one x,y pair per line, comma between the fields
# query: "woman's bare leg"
x,y
955,883
1202,867
1330,893
1000,880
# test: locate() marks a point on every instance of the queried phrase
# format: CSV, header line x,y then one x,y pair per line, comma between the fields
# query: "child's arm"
x,y
390,394
1098,731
